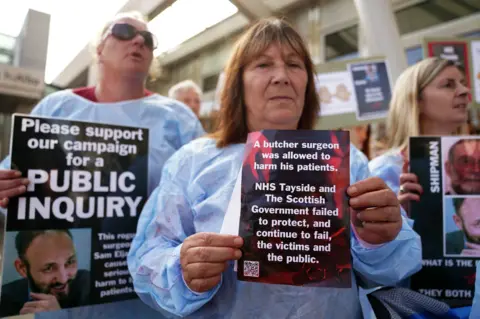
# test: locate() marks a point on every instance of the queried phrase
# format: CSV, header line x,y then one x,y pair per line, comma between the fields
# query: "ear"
x,y
458,222
99,49
20,267
420,102
448,168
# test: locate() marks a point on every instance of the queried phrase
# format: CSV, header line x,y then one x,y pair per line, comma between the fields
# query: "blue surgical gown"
x,y
192,197
171,124
388,167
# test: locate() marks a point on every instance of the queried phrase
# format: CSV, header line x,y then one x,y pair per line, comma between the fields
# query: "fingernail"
x,y
238,253
352,190
18,173
353,201
238,241
25,181
22,188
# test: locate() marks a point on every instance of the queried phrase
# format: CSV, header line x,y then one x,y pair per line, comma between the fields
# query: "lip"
x,y
62,288
281,98
460,106
136,55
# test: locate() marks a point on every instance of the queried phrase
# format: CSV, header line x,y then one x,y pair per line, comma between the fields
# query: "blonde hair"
x,y
135,15
403,118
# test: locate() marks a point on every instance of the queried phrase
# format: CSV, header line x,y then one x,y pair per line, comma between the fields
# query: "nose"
x,y
280,75
62,275
463,89
139,40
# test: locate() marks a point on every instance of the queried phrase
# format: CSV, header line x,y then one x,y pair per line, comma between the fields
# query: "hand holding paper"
x,y
11,184
204,257
43,302
375,211
410,189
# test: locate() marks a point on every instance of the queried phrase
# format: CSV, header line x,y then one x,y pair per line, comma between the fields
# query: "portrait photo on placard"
x,y
45,270
462,226
461,165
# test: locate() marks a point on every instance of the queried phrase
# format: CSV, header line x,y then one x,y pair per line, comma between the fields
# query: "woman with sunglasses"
x,y
124,55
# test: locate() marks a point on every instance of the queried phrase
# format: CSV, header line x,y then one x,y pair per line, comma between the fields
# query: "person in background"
x,y
429,98
188,93
360,137
124,54
178,260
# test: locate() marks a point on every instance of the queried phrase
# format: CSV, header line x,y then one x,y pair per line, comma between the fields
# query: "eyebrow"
x,y
73,256
290,55
463,79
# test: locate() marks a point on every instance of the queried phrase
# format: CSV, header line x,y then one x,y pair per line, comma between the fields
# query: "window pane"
x,y
433,12
342,44
414,54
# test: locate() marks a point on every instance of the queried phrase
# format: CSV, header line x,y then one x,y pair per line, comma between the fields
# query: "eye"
x,y
262,65
71,261
295,64
47,269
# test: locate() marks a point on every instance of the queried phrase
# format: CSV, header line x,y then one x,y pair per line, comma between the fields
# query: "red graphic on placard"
x,y
253,151
471,279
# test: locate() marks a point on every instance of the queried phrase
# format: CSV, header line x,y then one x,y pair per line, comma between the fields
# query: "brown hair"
x,y
232,122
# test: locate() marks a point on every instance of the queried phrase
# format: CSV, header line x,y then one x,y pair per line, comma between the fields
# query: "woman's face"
x,y
131,56
274,89
445,99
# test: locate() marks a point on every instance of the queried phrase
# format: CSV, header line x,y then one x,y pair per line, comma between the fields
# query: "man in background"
x,y
188,93
47,261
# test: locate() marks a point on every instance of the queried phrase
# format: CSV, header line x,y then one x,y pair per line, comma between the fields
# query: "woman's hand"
x,y
410,189
11,184
204,256
375,211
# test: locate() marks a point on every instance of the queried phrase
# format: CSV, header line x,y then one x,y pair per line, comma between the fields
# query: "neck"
x,y
116,88
436,129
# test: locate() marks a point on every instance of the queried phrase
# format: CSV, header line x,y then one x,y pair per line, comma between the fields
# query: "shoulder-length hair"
x,y
232,122
403,118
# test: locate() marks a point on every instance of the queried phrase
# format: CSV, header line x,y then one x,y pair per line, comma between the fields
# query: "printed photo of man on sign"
x,y
50,277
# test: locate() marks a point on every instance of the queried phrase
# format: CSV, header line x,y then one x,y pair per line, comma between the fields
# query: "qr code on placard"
x,y
251,268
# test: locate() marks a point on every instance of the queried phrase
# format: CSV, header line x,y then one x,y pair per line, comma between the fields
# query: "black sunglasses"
x,y
125,32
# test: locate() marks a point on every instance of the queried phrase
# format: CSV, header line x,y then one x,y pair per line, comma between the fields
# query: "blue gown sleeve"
x,y
389,263
388,168
154,257
40,109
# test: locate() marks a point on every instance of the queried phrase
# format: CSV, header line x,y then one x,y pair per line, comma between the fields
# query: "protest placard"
x,y
295,217
68,236
447,216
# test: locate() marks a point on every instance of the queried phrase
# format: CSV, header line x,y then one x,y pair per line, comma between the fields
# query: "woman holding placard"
x,y
124,57
180,263
430,98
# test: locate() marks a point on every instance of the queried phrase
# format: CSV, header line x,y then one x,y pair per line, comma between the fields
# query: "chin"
x,y
471,189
